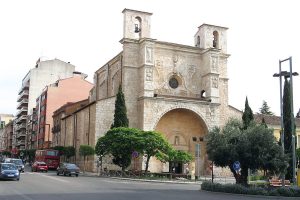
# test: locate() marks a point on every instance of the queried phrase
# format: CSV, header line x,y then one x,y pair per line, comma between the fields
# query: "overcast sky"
x,y
87,34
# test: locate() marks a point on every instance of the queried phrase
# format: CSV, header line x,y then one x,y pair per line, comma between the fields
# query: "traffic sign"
x,y
135,154
236,166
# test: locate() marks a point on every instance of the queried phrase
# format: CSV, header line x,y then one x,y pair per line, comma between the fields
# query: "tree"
x,y
247,115
265,109
174,155
69,151
86,150
287,126
153,143
61,149
6,153
254,147
120,116
31,155
120,143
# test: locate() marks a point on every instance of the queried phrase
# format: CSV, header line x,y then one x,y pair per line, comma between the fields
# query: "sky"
x,y
86,33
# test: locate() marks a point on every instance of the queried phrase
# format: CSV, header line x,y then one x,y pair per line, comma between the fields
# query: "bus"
x,y
50,156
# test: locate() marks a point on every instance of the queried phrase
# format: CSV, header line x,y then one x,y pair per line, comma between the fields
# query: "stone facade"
x,y
164,82
79,128
178,90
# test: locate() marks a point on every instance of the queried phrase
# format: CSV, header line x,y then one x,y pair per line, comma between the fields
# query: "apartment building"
x,y
5,119
54,96
44,73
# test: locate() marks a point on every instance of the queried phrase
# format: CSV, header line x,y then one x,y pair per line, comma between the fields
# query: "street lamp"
x,y
290,75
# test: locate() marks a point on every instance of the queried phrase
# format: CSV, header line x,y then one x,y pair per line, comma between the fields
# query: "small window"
x,y
198,41
176,140
203,95
194,139
216,39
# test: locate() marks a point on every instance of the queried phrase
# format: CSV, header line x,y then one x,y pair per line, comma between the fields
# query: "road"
x,y
49,186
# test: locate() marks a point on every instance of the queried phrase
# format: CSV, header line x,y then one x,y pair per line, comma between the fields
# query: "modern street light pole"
x,y
290,75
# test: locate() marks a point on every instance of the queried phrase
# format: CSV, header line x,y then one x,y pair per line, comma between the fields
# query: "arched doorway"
x,y
185,130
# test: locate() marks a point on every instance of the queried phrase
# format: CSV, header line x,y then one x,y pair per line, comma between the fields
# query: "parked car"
x,y
39,166
18,162
68,169
9,171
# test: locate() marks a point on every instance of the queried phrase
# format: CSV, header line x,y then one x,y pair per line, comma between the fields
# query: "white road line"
x,y
24,196
54,178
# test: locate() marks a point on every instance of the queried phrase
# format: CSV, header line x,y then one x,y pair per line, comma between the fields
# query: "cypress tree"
x,y
287,128
120,116
247,115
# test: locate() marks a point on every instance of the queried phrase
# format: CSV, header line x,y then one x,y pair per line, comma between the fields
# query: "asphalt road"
x,y
49,186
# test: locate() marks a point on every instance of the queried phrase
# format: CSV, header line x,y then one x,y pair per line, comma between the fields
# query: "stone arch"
x,y
184,129
159,116
216,39
137,26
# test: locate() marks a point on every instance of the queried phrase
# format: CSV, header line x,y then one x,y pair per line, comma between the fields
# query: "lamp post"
x,y
290,75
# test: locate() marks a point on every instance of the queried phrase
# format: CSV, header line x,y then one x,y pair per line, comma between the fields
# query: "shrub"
x,y
240,189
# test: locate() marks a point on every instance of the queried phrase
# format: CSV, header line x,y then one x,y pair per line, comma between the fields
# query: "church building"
x,y
178,90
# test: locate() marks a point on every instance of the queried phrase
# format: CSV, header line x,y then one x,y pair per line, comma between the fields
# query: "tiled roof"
x,y
272,120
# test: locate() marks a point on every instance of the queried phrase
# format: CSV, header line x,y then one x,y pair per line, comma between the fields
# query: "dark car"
x,y
68,169
39,166
18,162
9,171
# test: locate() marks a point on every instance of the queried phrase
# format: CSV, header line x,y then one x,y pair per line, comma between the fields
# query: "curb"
x,y
143,180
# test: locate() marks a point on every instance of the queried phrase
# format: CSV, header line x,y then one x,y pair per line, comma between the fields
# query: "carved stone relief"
x,y
191,70
149,56
214,64
149,74
215,82
175,60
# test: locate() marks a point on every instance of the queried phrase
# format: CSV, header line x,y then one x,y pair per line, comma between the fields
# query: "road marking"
x,y
22,195
54,178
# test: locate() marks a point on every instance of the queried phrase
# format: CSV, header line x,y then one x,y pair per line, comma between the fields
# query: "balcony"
x,y
24,87
22,111
21,134
23,103
21,143
21,119
20,127
24,95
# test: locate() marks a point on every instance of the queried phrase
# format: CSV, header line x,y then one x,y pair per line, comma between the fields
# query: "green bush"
x,y
240,189
257,177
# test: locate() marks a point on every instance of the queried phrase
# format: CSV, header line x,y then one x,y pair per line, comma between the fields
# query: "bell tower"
x,y
211,36
136,24
213,40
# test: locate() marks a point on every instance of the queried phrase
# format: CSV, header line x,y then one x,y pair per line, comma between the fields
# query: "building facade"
x,y
5,119
178,90
44,73
59,137
54,96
